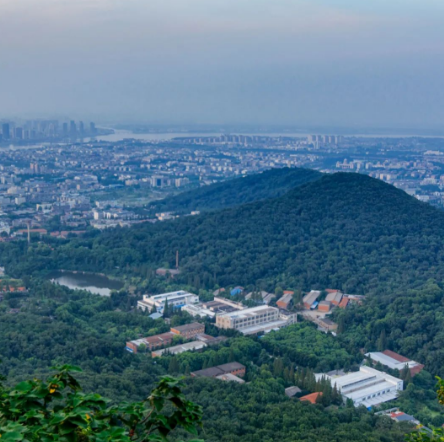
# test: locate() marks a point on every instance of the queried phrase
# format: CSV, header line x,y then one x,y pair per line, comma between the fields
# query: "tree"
x,y
173,367
57,410
382,341
437,434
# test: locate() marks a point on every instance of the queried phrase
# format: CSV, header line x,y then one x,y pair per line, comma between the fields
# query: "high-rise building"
x,y
92,127
81,127
65,128
72,127
6,131
19,133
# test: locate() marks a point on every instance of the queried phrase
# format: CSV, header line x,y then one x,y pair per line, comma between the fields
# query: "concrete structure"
x,y
368,387
175,299
395,361
252,320
310,298
213,372
177,349
189,331
327,324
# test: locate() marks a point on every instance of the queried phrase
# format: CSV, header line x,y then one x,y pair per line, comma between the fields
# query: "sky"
x,y
331,63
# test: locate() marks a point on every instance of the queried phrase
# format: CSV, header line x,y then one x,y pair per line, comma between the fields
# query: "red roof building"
x,y
311,397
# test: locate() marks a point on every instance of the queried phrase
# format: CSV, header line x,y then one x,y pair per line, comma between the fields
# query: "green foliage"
x,y
304,345
57,410
269,184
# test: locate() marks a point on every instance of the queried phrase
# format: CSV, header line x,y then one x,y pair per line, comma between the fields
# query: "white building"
x,y
252,320
198,310
175,299
395,361
367,386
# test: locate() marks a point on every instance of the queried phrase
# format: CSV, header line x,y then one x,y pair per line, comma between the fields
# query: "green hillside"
x,y
345,231
269,184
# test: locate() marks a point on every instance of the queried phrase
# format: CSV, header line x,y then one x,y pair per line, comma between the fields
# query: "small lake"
x,y
92,282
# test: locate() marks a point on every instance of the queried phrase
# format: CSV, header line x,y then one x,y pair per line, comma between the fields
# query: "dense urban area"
x,y
59,178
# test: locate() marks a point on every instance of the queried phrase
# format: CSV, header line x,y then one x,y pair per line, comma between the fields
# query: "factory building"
x,y
368,387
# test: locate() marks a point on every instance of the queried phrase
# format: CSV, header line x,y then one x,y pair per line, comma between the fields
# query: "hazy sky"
x,y
368,63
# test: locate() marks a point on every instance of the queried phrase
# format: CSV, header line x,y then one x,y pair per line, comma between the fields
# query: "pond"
x,y
92,282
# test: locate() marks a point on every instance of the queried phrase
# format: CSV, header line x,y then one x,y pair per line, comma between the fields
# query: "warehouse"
x,y
395,361
368,387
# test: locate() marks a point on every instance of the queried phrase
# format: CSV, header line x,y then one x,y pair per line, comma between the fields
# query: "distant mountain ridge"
x,y
234,192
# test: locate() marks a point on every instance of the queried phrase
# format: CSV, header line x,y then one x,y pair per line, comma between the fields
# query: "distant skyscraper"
x,y
73,127
19,133
65,128
81,127
92,127
6,131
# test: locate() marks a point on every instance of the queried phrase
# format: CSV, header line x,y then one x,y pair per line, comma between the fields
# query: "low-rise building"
x,y
395,361
368,387
177,349
310,298
285,301
231,367
324,306
175,299
334,296
189,331
151,342
252,320
312,398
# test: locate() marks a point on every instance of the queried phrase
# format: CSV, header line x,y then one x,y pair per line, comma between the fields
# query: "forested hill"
x,y
344,231
269,184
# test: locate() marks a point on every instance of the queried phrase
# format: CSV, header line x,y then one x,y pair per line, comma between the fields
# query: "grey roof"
x,y
292,391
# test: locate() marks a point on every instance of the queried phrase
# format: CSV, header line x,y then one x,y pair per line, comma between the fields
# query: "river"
x,y
92,282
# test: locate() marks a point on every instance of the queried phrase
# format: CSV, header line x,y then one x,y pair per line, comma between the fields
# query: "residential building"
x,y
368,387
395,361
175,299
189,331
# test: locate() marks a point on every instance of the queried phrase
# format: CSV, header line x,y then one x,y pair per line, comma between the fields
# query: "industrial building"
x,y
175,299
285,300
368,387
395,361
310,298
252,320
334,296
